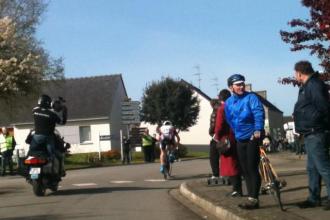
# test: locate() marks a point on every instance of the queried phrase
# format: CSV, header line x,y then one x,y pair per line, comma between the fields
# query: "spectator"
x,y
153,148
147,145
311,118
245,115
214,153
7,148
267,143
229,166
126,150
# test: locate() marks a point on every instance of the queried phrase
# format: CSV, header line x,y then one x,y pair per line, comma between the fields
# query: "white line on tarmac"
x,y
121,181
155,180
85,184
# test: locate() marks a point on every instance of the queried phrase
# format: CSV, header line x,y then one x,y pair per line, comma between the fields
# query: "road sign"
x,y
130,112
129,122
130,117
105,137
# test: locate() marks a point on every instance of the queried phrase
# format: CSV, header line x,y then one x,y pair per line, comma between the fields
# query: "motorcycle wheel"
x,y
38,188
54,187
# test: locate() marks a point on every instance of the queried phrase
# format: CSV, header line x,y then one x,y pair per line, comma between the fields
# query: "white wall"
x,y
94,145
71,135
199,133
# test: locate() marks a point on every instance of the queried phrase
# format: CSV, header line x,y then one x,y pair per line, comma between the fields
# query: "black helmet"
x,y
235,78
44,101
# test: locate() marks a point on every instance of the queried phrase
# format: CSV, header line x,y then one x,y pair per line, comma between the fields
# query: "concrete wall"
x,y
116,122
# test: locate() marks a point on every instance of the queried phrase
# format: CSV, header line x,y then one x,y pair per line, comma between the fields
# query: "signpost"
x,y
130,112
130,115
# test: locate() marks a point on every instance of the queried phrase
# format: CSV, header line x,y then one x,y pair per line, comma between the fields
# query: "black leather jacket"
x,y
311,111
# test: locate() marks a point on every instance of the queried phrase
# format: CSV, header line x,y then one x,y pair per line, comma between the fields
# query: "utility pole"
x,y
198,73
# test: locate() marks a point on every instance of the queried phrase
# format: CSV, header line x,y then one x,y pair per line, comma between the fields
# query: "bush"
x,y
183,151
111,155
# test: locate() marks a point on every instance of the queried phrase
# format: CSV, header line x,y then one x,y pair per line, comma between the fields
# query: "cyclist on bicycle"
x,y
167,134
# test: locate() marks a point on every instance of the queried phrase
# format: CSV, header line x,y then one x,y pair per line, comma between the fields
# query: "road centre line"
x,y
84,184
155,180
121,181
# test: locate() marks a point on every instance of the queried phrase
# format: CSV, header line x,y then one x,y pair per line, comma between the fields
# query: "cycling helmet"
x,y
236,78
44,101
167,123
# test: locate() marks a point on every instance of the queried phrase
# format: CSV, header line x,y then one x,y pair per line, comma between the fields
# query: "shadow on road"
x,y
53,217
190,177
101,190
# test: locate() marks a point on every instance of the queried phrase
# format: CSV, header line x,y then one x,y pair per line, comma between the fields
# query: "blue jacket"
x,y
245,115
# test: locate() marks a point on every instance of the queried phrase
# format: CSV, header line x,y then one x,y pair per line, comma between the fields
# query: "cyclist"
x,y
167,134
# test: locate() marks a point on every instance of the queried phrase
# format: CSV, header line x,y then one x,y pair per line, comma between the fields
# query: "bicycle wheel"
x,y
274,188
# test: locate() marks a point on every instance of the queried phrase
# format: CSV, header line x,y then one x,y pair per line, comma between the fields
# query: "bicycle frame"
x,y
270,177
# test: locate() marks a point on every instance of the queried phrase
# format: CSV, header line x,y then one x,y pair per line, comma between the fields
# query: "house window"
x,y
85,134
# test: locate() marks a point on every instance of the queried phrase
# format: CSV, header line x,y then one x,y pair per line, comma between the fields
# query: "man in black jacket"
x,y
46,115
311,117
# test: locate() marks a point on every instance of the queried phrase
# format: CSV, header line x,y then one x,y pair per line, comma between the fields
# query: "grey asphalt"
x,y
216,199
121,192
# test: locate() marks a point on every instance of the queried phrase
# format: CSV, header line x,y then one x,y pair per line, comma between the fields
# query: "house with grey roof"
x,y
94,112
197,138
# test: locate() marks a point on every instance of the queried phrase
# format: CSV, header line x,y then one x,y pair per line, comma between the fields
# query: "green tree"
x,y
169,99
24,63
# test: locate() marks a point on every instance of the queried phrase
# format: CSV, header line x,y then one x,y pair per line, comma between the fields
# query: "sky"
x,y
145,40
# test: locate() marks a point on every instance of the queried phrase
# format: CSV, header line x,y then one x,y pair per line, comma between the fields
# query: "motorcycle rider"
x,y
45,120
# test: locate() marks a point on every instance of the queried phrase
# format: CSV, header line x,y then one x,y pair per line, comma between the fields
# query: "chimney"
x,y
262,93
248,87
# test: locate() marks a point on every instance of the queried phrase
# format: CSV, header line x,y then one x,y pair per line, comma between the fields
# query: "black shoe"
x,y
236,194
252,203
308,204
326,206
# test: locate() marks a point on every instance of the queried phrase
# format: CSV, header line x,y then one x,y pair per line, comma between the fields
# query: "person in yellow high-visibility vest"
x,y
7,148
147,143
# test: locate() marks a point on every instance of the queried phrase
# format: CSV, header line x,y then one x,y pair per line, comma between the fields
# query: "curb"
x,y
208,206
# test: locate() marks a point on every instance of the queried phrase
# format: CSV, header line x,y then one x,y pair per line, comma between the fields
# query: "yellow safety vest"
x,y
146,140
9,142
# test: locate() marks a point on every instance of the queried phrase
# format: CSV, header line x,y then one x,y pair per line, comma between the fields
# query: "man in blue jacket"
x,y
245,114
311,118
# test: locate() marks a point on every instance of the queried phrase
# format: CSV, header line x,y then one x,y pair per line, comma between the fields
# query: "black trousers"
x,y
249,159
236,182
147,151
214,158
7,160
126,157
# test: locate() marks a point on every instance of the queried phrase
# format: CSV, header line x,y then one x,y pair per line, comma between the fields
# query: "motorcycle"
x,y
44,172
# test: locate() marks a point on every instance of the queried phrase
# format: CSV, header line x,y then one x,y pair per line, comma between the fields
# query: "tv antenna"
x,y
215,83
198,74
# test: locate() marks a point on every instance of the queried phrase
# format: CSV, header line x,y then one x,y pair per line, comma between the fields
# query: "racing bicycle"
x,y
272,184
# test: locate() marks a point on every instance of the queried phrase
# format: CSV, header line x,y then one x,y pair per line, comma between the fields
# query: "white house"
x,y
94,112
197,137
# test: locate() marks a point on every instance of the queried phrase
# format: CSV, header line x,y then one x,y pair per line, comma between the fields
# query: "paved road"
x,y
122,192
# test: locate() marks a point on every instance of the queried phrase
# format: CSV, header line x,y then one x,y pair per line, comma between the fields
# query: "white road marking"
x,y
121,181
85,184
155,180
